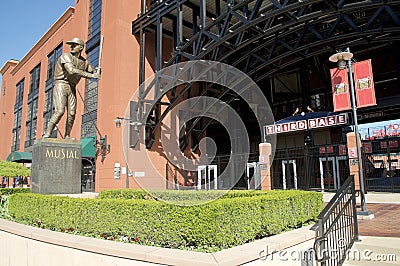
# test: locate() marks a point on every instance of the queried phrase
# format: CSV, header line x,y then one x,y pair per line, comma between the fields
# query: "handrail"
x,y
337,226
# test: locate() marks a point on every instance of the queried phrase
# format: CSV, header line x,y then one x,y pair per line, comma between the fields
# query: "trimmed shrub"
x,y
13,169
4,194
9,191
219,224
186,196
123,194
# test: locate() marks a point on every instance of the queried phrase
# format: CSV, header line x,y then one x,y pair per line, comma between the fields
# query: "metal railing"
x,y
337,227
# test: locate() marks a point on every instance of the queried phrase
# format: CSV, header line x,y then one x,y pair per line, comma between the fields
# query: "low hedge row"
x,y
9,191
213,226
4,194
186,195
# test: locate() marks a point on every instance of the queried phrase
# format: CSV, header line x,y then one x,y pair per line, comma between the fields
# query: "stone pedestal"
x,y
56,166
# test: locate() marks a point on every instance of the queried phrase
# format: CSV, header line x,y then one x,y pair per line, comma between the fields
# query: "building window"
x,y
89,117
318,101
31,122
48,97
95,17
18,115
52,60
35,79
20,93
88,129
31,119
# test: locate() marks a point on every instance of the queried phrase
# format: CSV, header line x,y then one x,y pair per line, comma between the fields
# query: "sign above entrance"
x,y
312,123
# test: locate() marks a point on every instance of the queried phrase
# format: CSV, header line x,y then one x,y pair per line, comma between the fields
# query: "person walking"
x,y
70,68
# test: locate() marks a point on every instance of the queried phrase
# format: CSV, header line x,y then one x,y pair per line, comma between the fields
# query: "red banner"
x,y
364,84
340,90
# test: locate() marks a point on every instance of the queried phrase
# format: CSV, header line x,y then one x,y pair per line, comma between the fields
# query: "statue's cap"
x,y
76,41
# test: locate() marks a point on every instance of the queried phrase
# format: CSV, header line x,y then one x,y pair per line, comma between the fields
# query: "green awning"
x,y
19,156
88,147
88,150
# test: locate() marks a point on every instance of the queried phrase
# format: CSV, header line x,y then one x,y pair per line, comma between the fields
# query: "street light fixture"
x,y
343,59
118,124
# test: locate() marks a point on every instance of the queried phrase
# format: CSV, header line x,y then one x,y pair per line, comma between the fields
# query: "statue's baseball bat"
x,y
100,53
98,69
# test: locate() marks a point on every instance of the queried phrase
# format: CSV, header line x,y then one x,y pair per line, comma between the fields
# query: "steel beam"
x,y
267,38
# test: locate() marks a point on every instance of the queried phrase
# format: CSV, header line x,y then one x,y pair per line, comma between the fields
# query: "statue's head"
x,y
76,41
77,44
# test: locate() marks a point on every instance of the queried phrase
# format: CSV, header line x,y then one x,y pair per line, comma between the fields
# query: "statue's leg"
x,y
59,102
71,111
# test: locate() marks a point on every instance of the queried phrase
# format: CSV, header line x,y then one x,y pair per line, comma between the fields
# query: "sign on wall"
x,y
314,123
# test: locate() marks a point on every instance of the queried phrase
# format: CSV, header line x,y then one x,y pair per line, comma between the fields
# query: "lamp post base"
x,y
365,215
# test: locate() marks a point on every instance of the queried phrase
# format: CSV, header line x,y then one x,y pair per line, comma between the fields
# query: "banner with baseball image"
x,y
340,89
364,84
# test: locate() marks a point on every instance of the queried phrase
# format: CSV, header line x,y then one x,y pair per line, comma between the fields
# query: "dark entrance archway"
x,y
282,45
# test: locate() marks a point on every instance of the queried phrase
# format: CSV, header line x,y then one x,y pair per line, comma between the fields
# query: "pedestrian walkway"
x,y
386,209
379,237
372,250
371,197
386,222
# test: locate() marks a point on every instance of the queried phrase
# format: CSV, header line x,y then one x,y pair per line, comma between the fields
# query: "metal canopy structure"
x,y
259,37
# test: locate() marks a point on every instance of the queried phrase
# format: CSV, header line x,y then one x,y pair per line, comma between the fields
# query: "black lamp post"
x,y
343,60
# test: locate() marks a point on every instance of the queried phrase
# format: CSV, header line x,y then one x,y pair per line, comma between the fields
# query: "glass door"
x,y
289,174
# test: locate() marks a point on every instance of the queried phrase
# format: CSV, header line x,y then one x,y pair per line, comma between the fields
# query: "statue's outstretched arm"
x,y
71,70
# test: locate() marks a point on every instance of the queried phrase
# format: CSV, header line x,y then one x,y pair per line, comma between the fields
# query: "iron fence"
x,y
381,164
184,179
323,167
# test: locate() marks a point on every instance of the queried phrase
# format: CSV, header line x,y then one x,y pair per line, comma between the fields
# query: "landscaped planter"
x,y
217,225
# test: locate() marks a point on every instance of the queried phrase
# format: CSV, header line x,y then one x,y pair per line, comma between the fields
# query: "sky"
x,y
371,129
24,22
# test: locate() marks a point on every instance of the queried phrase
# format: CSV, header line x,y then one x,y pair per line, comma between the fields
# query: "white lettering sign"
x,y
328,121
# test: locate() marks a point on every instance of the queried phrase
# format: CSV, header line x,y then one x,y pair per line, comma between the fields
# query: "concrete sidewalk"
x,y
371,197
372,250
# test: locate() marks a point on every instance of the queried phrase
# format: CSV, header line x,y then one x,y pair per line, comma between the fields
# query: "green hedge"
x,y
213,226
9,191
186,196
4,193
123,194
